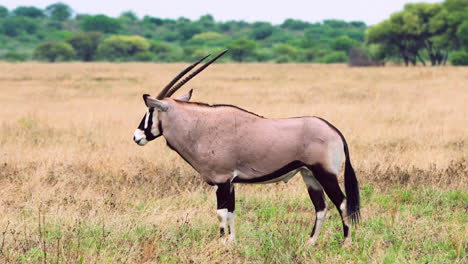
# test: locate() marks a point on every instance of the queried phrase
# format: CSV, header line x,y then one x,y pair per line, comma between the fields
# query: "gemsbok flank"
x,y
226,144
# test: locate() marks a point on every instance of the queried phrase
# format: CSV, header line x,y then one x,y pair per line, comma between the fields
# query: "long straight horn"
x,y
162,94
193,74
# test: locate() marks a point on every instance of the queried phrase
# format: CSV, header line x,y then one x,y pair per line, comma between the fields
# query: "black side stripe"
x,y
278,173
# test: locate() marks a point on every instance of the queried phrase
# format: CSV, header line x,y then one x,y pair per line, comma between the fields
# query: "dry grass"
x,y
67,154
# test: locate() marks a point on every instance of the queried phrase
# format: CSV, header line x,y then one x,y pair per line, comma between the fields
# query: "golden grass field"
x,y
75,188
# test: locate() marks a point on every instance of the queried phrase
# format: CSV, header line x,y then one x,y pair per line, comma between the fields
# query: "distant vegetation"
x,y
424,33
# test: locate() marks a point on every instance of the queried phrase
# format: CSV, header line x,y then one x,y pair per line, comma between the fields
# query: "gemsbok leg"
x,y
225,196
329,182
317,196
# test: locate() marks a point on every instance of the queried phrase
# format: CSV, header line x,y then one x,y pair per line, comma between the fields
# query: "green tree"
x,y
209,39
399,31
59,11
343,43
100,23
18,25
294,24
459,58
164,52
286,52
241,49
261,30
335,57
3,12
54,51
186,29
462,34
129,16
85,44
428,34
207,22
122,47
28,11
457,13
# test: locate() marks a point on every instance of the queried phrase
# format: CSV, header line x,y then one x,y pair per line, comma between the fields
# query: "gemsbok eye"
x,y
227,145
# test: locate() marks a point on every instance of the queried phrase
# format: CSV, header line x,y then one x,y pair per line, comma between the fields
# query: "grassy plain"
x,y
74,188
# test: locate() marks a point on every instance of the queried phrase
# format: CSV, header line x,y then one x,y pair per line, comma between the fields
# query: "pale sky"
x,y
369,11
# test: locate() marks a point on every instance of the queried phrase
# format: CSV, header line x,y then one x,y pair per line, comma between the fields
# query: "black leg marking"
x,y
225,196
318,199
329,182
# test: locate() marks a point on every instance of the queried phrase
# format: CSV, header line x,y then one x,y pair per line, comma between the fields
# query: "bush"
x,y
85,44
459,58
263,55
100,23
144,56
3,11
312,54
285,50
15,56
283,59
262,30
334,57
343,43
28,11
117,48
162,51
54,51
241,49
15,26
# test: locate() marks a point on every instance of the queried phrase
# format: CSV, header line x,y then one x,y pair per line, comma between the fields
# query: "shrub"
x,y
15,26
85,44
262,30
162,51
285,50
100,23
116,48
334,57
54,51
459,58
343,43
15,56
283,59
241,49
144,56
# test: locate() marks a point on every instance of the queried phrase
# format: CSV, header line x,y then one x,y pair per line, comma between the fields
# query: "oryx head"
x,y
150,126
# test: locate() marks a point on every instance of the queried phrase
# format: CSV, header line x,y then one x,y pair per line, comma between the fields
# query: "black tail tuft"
x,y
352,189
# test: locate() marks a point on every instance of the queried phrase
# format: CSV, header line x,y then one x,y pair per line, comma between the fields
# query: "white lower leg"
x,y
318,224
232,229
222,217
344,215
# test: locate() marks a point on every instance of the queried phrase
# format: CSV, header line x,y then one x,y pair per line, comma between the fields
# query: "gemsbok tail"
x,y
351,187
351,183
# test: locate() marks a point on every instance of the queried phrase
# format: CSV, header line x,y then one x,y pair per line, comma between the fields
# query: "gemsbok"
x,y
226,144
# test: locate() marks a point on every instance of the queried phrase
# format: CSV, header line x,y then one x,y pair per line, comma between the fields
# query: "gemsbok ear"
x,y
151,102
186,97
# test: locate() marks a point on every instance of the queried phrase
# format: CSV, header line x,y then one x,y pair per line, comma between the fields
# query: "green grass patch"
x,y
400,225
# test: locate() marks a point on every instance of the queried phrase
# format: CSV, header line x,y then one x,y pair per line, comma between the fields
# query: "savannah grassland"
x,y
74,188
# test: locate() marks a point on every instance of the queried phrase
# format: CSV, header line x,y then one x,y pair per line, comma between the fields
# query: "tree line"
x,y
423,32
420,33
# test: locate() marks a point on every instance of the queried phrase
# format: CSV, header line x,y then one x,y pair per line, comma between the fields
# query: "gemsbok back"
x,y
226,144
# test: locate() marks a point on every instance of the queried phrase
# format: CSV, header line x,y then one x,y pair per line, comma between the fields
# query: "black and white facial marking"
x,y
150,128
